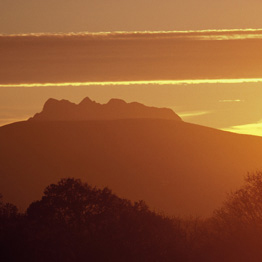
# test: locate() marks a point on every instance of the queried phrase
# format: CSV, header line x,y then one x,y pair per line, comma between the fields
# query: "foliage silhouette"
x,y
237,226
244,206
76,222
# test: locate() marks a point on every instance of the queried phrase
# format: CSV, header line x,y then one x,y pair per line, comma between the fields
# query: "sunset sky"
x,y
202,58
29,16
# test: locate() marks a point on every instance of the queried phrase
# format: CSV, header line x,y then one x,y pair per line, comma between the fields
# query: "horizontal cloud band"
x,y
152,82
130,56
215,34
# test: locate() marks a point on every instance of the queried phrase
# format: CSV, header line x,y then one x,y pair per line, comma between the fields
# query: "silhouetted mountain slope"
x,y
64,110
176,167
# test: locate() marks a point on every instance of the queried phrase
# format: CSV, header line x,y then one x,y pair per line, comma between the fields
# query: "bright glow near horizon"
x,y
229,104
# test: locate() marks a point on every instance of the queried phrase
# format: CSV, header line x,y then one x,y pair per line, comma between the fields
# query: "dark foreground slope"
x,y
175,167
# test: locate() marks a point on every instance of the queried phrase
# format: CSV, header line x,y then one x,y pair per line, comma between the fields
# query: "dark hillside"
x,y
176,167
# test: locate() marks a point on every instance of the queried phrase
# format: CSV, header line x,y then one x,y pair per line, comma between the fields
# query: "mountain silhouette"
x,y
64,110
176,167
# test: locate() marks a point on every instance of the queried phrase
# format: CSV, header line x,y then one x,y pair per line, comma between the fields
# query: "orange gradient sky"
x,y
231,106
27,16
186,55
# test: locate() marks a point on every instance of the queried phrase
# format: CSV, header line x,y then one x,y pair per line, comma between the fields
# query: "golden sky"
x,y
31,16
231,106
198,57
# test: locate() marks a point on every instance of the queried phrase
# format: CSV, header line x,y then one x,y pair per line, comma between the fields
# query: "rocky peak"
x,y
63,110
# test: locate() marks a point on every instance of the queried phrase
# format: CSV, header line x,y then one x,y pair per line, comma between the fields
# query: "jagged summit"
x,y
64,110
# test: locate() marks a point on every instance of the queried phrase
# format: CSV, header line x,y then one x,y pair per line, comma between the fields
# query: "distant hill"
x,y
176,167
64,110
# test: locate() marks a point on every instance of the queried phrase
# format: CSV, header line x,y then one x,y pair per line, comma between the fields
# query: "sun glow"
x,y
248,129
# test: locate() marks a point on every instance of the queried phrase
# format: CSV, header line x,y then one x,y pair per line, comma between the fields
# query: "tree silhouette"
x,y
7,210
10,237
74,221
72,202
238,224
244,206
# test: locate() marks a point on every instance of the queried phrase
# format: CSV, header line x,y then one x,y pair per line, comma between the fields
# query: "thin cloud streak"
x,y
190,114
209,34
230,100
151,82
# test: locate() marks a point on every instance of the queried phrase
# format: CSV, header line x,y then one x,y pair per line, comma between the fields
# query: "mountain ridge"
x,y
64,110
176,167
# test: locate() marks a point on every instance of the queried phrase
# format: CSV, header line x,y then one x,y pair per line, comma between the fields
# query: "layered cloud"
x,y
132,57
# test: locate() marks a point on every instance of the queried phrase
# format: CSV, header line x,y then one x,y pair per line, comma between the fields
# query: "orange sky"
x,y
27,16
211,77
236,107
